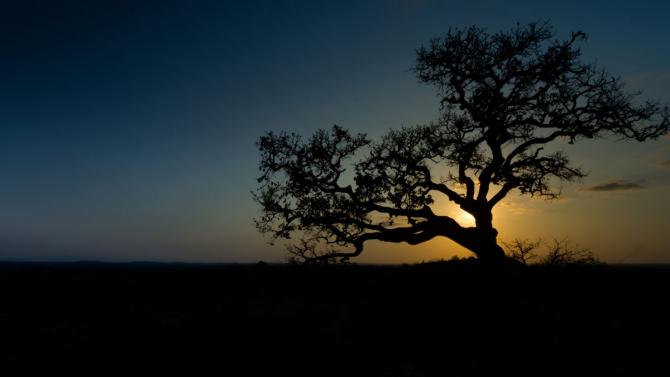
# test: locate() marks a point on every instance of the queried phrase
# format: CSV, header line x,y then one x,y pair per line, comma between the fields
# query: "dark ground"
x,y
448,319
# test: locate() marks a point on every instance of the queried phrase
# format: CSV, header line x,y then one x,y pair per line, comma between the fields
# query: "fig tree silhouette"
x,y
504,97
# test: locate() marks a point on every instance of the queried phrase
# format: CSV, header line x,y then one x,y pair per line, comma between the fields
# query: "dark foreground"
x,y
426,320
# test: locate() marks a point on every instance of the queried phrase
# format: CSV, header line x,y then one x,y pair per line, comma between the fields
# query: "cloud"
x,y
517,208
616,185
647,78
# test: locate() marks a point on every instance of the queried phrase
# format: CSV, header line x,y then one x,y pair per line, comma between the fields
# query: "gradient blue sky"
x,y
127,128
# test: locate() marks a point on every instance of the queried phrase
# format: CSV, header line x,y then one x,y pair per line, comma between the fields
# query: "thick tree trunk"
x,y
482,242
490,253
485,246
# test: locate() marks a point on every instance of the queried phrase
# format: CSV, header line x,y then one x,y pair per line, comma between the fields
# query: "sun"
x,y
444,208
464,218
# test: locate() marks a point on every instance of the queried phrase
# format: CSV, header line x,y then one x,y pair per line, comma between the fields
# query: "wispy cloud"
x,y
517,208
647,77
615,185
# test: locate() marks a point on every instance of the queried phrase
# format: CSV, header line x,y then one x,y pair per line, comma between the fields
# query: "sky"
x,y
128,128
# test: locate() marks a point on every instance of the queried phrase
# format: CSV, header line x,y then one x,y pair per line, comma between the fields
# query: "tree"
x,y
522,250
504,98
559,252
563,253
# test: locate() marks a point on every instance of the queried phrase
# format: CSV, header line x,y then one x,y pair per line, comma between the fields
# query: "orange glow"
x,y
464,218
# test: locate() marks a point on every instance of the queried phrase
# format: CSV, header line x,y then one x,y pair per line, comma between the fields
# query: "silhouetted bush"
x,y
563,253
558,252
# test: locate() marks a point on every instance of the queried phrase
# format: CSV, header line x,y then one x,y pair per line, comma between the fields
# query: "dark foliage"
x,y
504,98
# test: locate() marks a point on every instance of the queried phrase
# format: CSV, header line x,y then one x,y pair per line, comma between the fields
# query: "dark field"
x,y
448,319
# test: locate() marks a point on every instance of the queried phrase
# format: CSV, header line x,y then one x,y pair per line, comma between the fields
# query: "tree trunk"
x,y
486,245
482,242
490,253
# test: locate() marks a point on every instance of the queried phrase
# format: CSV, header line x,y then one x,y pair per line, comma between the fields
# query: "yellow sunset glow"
x,y
464,218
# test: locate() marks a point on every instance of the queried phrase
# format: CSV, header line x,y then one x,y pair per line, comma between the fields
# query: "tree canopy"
x,y
503,98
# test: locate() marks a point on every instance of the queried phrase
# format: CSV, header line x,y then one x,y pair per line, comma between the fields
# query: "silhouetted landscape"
x,y
455,318
338,144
